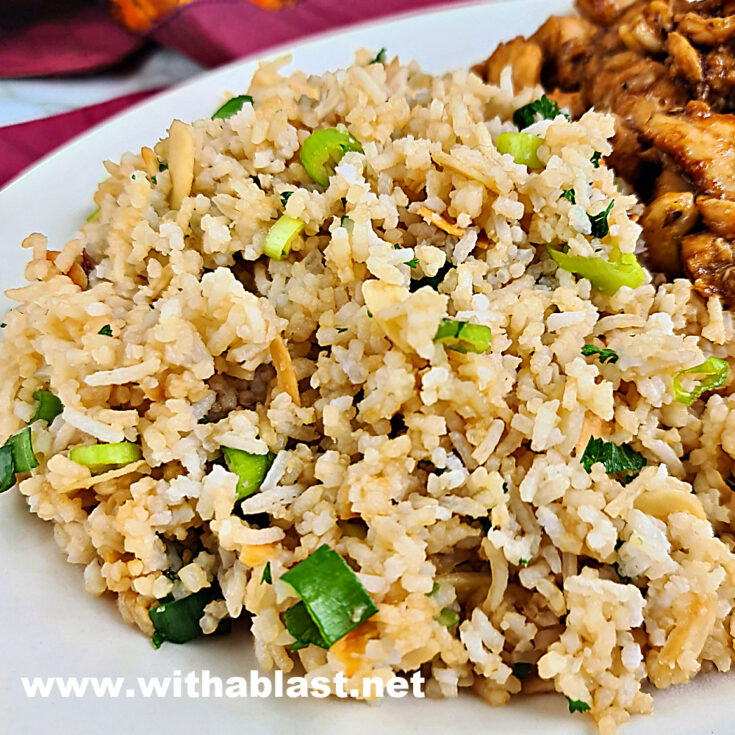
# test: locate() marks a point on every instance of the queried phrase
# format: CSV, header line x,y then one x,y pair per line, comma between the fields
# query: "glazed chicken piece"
x,y
710,262
603,11
718,215
526,58
665,222
707,31
686,62
702,143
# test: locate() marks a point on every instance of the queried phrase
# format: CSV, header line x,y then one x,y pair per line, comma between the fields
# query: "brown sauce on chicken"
x,y
666,68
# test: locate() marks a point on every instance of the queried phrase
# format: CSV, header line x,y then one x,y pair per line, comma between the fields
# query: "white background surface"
x,y
22,100
50,627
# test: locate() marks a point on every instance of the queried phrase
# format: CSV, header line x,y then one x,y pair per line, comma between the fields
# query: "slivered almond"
x,y
180,161
660,502
591,426
438,221
75,273
285,373
446,160
111,475
149,160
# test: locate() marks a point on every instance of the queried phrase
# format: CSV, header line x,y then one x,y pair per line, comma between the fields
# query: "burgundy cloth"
x,y
72,38
213,32
22,144
80,37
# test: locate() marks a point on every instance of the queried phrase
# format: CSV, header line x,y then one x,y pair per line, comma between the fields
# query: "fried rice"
x,y
448,481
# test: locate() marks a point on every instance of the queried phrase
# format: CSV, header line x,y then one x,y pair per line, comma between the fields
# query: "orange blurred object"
x,y
140,15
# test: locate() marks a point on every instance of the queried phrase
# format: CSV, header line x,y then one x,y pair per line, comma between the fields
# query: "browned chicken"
x,y
526,58
710,262
665,222
702,143
666,68
718,215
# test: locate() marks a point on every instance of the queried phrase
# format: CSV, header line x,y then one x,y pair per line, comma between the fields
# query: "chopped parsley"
x,y
432,281
568,194
596,157
524,562
577,705
341,330
154,180
379,58
615,458
267,578
285,196
605,355
3,325
203,420
599,224
540,109
162,166
106,331
522,670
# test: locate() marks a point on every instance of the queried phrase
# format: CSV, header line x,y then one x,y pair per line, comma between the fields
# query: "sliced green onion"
x,y
21,445
323,150
178,620
97,455
106,331
232,106
7,468
49,406
463,337
522,146
434,589
606,276
285,196
94,215
448,618
332,594
250,469
278,241
596,158
299,624
712,375
569,195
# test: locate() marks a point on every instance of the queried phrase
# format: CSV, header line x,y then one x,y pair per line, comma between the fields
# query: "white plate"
x,y
50,627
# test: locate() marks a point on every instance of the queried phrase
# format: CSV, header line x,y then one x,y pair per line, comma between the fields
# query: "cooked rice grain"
x,y
327,359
